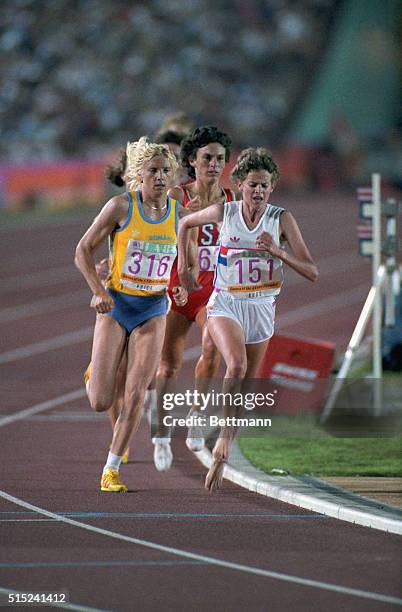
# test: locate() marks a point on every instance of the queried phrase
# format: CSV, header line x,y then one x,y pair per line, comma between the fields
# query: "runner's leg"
x,y
229,339
177,327
118,401
143,352
107,349
205,370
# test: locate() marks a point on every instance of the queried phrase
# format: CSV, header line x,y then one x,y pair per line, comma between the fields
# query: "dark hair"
x,y
115,173
199,138
257,158
169,136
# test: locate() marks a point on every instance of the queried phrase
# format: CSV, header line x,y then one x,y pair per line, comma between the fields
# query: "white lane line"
x,y
27,412
41,278
81,335
324,306
65,416
304,313
248,569
50,304
76,337
38,520
65,606
189,354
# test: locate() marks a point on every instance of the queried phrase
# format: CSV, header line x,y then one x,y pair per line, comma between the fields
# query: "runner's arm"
x,y
211,214
299,259
113,214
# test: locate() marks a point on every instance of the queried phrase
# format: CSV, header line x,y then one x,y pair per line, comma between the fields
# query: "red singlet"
x,y
207,237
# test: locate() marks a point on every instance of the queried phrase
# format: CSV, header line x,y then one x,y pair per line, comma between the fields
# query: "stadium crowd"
x,y
76,73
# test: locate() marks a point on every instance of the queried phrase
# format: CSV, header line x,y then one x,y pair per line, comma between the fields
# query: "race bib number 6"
x,y
207,258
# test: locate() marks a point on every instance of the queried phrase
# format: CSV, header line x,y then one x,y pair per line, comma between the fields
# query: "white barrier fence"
x,y
386,286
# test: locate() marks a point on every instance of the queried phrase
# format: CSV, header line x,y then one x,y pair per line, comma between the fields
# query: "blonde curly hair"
x,y
140,153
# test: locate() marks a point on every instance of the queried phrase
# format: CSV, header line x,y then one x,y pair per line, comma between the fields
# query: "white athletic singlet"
x,y
242,269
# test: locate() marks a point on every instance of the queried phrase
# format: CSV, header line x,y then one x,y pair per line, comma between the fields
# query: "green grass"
x,y
320,454
301,447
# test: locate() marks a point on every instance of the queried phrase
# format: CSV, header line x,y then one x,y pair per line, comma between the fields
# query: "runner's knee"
x,y
236,368
100,402
207,365
209,350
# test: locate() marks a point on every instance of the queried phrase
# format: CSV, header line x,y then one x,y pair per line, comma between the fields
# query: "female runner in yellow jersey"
x,y
142,229
115,173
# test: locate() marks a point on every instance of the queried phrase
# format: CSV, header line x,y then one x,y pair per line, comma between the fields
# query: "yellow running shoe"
x,y
87,374
111,483
124,458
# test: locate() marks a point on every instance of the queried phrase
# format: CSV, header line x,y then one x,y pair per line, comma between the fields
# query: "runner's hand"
x,y
266,242
180,296
189,281
102,302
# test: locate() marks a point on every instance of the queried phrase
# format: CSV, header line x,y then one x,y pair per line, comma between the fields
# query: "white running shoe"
x,y
163,455
195,437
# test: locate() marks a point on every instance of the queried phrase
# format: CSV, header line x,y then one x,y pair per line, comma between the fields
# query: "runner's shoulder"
x,y
116,208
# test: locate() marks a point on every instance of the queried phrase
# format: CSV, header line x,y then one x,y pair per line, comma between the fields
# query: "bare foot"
x,y
221,448
220,454
213,480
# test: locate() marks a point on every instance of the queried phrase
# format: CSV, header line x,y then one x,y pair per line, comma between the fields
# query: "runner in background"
x,y
204,153
176,122
173,140
131,310
241,310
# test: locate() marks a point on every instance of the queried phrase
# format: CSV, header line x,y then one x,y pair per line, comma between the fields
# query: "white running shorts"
x,y
256,316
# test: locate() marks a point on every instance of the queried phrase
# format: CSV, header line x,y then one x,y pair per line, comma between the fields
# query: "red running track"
x,y
284,558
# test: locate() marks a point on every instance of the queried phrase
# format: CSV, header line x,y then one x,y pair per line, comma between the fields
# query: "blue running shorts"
x,y
130,311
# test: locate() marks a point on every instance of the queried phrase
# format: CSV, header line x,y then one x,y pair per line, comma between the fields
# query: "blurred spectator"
x,y
346,146
384,155
180,123
76,71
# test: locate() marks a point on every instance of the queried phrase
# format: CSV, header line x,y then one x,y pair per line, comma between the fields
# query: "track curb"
x,y
311,494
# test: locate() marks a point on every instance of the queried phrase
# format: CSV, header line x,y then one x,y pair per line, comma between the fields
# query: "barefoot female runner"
x,y
248,277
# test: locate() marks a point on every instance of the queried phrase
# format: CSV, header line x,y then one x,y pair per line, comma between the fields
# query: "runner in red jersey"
x,y
204,153
207,241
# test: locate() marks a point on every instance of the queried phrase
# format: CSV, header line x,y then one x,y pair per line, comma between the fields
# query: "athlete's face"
x,y
157,175
209,161
257,187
